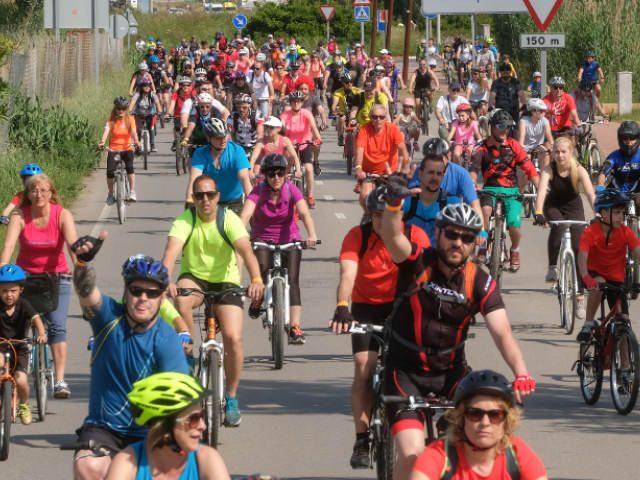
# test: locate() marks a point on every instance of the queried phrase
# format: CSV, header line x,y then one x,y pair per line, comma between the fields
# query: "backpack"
x,y
261,79
451,462
219,225
252,120
362,99
442,202
367,230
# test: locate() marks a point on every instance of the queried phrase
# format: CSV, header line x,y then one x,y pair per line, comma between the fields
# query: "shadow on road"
x,y
44,440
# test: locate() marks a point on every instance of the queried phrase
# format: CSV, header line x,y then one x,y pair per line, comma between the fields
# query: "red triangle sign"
x,y
327,11
543,11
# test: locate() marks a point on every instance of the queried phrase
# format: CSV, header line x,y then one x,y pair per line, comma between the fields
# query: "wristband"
x,y
343,304
358,166
539,212
257,279
189,200
394,209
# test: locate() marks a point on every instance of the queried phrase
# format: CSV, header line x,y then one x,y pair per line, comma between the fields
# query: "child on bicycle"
x,y
408,122
535,87
25,173
603,249
464,129
16,315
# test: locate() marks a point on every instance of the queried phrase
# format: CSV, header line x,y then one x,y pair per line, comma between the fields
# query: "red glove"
x,y
317,141
590,282
524,383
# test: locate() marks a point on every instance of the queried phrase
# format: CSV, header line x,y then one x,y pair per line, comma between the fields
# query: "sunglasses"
x,y
192,420
500,126
477,414
558,87
457,90
152,293
279,173
377,117
453,236
200,195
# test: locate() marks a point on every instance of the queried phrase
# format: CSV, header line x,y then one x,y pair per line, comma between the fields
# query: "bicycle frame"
x,y
209,345
6,376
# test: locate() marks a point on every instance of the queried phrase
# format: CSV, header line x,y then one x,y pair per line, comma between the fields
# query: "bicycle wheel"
x,y
590,372
495,269
121,195
385,452
423,116
348,153
178,154
569,292
161,118
145,148
303,180
594,161
426,122
212,411
277,331
527,203
635,267
7,419
40,380
625,374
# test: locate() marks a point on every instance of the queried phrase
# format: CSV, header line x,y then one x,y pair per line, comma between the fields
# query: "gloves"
x,y
524,383
397,188
4,220
184,142
590,282
342,315
90,255
323,127
185,337
483,234
600,188
540,220
579,130
317,141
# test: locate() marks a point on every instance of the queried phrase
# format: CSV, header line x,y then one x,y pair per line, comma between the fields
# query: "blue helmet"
x,y
29,170
142,267
151,39
159,43
11,273
610,198
154,59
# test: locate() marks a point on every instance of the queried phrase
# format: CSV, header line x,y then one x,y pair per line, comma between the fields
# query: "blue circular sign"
x,y
239,21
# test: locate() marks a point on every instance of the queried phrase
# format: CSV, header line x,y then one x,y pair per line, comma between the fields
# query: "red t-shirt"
x,y
432,461
233,56
609,260
291,84
16,200
377,274
559,113
180,99
379,148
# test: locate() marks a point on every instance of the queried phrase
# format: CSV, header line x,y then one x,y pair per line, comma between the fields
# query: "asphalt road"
x,y
297,421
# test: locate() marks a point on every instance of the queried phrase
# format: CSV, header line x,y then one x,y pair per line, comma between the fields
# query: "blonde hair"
x,y
456,419
31,184
472,118
574,165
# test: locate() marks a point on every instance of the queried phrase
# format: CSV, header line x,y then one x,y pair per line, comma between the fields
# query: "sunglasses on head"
x,y
152,293
272,174
465,237
192,420
477,414
377,117
200,195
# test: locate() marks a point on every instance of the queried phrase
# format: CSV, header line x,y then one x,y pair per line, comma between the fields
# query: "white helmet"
x,y
261,57
273,122
205,98
293,47
201,71
243,51
556,81
536,104
460,215
143,66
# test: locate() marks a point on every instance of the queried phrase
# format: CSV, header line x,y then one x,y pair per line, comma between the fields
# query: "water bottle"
x,y
90,343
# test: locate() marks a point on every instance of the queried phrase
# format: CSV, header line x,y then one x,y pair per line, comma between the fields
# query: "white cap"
x,y
261,57
246,39
423,40
243,51
384,50
273,122
358,45
270,36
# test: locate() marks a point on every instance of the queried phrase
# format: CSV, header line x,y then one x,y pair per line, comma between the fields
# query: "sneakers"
x,y
625,383
153,148
334,121
316,168
255,309
581,309
481,256
312,203
133,197
232,416
360,457
61,390
585,333
25,414
416,147
111,199
552,275
173,146
296,336
341,140
515,261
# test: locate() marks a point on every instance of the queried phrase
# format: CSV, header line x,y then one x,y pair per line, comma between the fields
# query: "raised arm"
x,y
340,321
16,224
171,253
84,275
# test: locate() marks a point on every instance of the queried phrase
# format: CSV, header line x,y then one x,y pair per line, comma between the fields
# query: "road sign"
x,y
362,14
132,20
133,30
382,20
361,3
543,11
239,21
470,7
429,17
119,26
75,14
327,11
542,40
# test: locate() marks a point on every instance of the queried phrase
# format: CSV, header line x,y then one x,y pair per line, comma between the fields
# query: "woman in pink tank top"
x,y
361,55
273,142
43,227
317,71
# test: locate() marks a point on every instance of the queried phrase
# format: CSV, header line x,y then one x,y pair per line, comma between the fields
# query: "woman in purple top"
x,y
272,204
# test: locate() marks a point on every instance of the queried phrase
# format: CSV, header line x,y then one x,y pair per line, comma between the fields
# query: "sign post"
x,y
96,42
239,21
133,23
327,12
543,41
407,45
362,4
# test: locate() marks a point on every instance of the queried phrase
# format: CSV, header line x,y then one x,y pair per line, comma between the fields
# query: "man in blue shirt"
x,y
477,44
624,164
131,343
496,55
590,70
226,162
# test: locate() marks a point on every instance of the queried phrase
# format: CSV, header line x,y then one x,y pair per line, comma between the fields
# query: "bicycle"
x,y
301,182
276,297
95,447
42,369
408,140
425,109
465,159
350,136
182,153
589,151
145,139
448,73
161,119
632,264
122,187
277,107
466,76
210,372
613,346
529,202
483,123
567,284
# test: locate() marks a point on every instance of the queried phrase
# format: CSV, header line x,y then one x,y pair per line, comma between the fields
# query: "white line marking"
x,y
319,182
340,216
97,228
328,197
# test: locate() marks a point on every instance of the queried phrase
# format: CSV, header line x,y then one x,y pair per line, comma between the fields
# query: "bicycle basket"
x,y
41,290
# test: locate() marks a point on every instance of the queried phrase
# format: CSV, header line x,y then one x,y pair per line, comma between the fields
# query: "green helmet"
x,y
164,394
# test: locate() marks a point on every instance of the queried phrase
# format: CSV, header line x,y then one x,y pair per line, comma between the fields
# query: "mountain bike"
x,y
425,110
408,140
465,159
632,267
42,369
161,119
210,371
466,76
182,155
589,151
145,138
276,296
122,187
448,73
350,136
613,346
483,123
567,284
301,182
529,202
277,107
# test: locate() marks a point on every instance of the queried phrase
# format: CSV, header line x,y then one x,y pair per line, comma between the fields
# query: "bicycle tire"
x,y
303,181
624,407
178,153
527,204
385,452
635,268
595,161
145,149
161,118
348,153
7,419
590,373
40,380
569,293
495,269
212,410
120,202
185,156
423,109
427,117
278,331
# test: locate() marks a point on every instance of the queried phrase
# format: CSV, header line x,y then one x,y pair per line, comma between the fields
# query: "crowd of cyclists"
x,y
254,116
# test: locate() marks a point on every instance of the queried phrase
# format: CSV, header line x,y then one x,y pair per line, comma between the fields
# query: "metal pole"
x,y
327,33
374,29
407,45
389,18
438,29
115,31
362,34
57,17
543,71
473,39
426,23
96,41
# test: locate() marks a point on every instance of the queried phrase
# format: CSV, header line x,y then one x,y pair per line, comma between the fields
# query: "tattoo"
x,y
84,280
92,311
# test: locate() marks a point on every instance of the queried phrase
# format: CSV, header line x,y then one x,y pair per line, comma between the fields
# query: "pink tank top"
x,y
243,67
265,150
298,129
314,70
42,250
361,60
463,134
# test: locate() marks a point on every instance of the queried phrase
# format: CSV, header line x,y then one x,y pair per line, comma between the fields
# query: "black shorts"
x,y
418,384
562,132
417,92
216,287
368,313
23,355
102,434
306,155
234,205
126,156
613,297
177,126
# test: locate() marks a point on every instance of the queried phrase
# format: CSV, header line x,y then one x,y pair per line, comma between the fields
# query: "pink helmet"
x,y
409,102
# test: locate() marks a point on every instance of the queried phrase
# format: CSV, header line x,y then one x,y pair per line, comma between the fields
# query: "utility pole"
x,y
407,44
388,32
374,29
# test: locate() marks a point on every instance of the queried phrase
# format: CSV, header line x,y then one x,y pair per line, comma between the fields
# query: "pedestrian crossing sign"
x,y
362,14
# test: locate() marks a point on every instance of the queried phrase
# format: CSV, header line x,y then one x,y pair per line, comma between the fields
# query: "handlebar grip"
x,y
74,446
395,399
318,242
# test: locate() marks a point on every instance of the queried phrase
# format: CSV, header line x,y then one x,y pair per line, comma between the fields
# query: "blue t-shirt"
x,y
625,171
478,47
232,160
457,182
590,71
535,86
120,358
425,217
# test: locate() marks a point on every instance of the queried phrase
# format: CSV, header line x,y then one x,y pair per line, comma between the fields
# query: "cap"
x,y
455,85
369,84
384,50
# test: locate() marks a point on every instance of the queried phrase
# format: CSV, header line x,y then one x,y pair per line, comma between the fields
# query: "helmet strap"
x,y
474,447
138,324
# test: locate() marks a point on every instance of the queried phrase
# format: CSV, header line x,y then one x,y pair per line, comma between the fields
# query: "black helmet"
x,y
501,117
485,382
586,85
435,147
376,199
505,67
295,65
590,53
121,102
610,198
273,160
629,129
346,77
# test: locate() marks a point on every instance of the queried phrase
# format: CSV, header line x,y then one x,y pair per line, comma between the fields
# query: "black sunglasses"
x,y
465,237
455,90
558,87
272,174
192,420
200,195
476,414
152,293
377,117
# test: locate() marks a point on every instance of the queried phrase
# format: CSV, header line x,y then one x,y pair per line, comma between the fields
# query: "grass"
x,y
633,116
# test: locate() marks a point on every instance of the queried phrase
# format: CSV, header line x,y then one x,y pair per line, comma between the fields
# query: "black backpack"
x,y
367,230
412,213
222,212
451,462
252,119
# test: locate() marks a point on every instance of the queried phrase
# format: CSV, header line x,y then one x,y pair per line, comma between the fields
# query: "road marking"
x,y
328,197
97,228
340,216
319,182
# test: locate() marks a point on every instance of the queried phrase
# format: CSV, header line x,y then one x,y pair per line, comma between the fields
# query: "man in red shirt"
x,y
292,79
184,92
332,45
561,110
368,276
220,62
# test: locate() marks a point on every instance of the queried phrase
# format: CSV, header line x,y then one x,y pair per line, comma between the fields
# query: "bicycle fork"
x,y
269,298
205,348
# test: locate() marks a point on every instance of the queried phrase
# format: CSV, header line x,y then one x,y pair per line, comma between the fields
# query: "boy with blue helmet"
x,y
16,316
624,164
26,172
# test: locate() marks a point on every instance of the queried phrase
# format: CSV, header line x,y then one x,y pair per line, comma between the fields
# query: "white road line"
x,y
319,182
340,216
328,197
97,228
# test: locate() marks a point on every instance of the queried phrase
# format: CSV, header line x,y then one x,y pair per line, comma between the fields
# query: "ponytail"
x,y
574,165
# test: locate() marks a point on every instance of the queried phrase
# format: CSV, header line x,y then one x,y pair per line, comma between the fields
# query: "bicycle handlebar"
x,y
90,445
567,223
284,246
607,287
414,403
362,328
593,122
238,292
106,147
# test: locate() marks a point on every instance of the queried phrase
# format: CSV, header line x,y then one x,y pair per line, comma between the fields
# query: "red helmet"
x,y
280,40
173,50
292,42
464,106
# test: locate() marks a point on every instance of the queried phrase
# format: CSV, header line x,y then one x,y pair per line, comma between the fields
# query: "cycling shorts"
x,y
102,434
234,205
613,297
369,313
418,384
562,132
177,124
306,155
512,206
215,287
126,157
417,93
